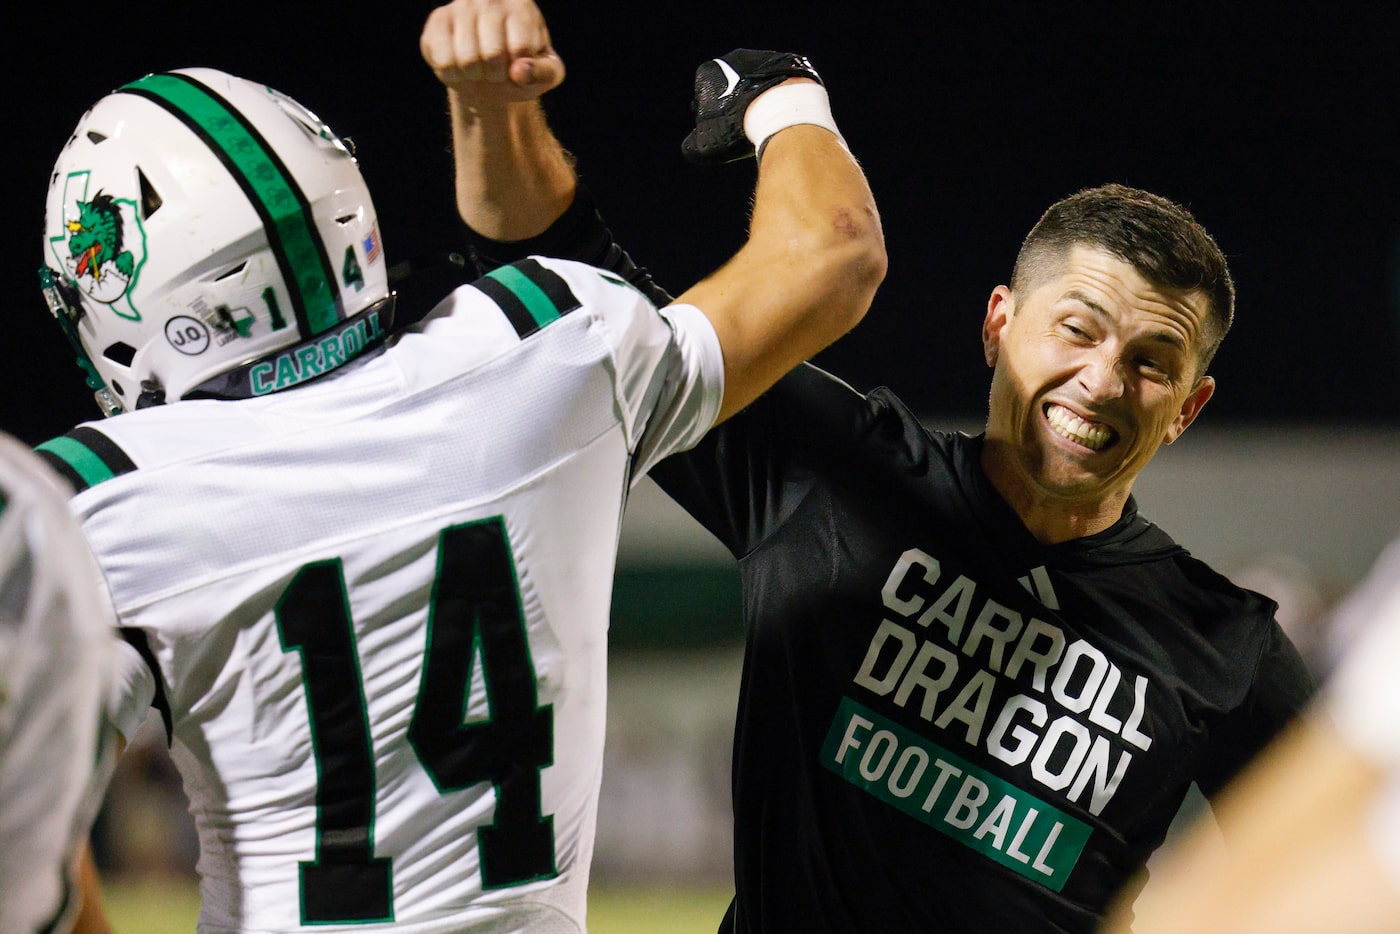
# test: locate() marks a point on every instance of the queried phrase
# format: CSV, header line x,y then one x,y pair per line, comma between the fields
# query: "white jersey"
x,y
378,603
56,665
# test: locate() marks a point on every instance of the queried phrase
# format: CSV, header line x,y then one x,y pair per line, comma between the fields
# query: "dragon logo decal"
x,y
101,245
96,239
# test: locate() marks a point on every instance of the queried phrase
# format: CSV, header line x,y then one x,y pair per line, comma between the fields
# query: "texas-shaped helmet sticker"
x,y
100,245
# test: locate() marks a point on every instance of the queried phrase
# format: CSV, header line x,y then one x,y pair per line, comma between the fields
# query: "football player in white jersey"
x,y
1314,824
57,662
366,578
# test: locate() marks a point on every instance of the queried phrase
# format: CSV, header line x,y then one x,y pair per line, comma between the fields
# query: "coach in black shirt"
x,y
978,683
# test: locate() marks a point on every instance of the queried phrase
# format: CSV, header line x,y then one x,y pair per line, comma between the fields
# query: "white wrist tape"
x,y
789,105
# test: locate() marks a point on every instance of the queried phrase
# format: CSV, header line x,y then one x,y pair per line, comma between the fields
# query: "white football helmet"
x,y
208,237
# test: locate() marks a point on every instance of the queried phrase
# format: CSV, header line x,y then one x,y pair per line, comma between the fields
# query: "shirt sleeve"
x,y
582,235
748,475
666,365
688,389
1282,687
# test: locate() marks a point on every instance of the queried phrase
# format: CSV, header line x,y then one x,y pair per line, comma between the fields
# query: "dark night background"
x,y
1275,124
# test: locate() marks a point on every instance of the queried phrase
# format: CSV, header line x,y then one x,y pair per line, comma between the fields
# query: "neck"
x,y
1050,519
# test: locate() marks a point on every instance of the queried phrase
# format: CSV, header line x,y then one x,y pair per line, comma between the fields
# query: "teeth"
x,y
1073,427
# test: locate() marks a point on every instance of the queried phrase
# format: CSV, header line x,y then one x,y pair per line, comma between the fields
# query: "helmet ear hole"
x,y
150,198
120,353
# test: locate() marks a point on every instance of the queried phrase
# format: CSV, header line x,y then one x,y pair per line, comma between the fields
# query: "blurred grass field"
x,y
159,907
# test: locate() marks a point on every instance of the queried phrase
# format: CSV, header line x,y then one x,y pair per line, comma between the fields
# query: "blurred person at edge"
x,y
58,743
1312,828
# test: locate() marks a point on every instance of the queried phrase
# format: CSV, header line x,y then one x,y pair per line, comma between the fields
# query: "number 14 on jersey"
x,y
475,613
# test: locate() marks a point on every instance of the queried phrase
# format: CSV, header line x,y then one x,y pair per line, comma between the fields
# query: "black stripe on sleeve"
x,y
512,307
63,469
105,448
529,295
551,284
85,457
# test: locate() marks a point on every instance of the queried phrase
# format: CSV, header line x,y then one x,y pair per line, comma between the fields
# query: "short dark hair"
x,y
1158,237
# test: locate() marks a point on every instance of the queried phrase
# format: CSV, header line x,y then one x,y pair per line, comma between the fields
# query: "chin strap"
x,y
66,310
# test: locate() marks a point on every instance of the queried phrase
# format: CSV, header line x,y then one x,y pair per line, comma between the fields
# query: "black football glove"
x,y
724,88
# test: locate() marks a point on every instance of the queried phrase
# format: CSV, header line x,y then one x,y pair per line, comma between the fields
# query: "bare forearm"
x,y
513,178
813,210
809,271
495,59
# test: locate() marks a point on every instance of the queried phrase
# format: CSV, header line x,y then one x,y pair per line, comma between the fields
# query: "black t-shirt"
x,y
945,725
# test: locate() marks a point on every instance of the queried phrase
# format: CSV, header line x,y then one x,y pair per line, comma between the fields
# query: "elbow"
x,y
857,250
875,262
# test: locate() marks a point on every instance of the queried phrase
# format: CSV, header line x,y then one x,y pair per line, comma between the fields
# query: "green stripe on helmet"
x,y
275,194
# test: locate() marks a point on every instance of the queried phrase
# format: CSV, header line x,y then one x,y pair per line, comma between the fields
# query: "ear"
x,y
1200,395
1001,306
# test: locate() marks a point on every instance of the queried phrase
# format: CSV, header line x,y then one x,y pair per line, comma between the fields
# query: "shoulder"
x,y
811,417
1214,592
109,452
810,399
96,453
906,438
535,292
570,284
85,457
1241,628
1186,594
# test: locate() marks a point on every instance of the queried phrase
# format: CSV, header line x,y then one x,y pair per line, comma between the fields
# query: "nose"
x,y
1101,375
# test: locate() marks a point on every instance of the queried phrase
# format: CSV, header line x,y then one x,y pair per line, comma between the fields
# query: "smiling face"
x,y
1094,369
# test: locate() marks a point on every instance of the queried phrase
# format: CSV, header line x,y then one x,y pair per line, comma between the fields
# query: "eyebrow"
x,y
1170,338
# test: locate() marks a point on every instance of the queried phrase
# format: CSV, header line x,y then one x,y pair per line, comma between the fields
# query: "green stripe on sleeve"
x,y
87,465
536,302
